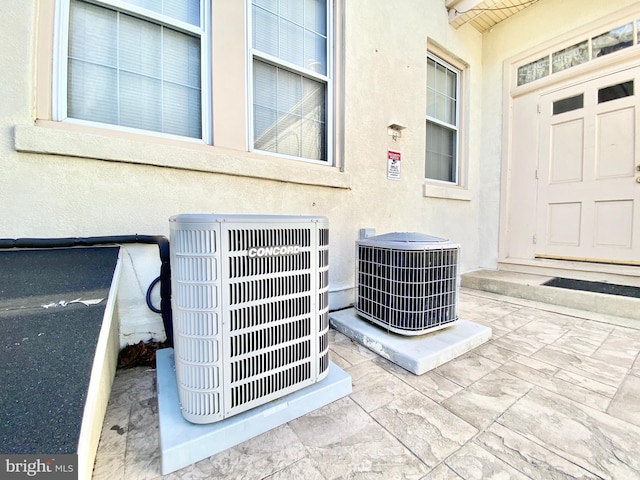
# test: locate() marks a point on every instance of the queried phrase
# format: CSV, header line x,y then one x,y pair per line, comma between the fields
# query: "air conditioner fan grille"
x,y
408,290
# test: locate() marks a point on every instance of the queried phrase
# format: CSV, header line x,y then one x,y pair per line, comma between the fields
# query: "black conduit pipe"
x,y
163,246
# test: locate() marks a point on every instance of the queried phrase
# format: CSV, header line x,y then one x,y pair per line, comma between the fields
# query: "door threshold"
x,y
579,270
629,263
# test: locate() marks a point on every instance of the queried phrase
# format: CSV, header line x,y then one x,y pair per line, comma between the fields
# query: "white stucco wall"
x,y
87,182
386,83
542,23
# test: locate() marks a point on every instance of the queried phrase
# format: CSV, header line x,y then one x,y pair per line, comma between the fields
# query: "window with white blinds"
x,y
137,64
291,77
443,93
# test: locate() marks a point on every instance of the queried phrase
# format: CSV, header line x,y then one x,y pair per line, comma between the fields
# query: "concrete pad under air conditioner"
x,y
417,354
183,443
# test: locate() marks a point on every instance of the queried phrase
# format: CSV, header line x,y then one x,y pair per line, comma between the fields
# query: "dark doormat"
x,y
48,343
597,287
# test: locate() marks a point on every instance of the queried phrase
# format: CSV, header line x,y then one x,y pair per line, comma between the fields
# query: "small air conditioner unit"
x,y
407,282
250,309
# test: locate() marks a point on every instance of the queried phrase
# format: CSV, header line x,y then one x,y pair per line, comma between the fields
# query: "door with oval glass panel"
x,y
588,205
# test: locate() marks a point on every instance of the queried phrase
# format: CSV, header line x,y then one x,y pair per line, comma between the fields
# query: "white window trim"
x,y
456,127
53,138
328,79
60,65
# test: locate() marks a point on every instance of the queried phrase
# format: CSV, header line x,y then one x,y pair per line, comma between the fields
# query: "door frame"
x,y
586,248
518,168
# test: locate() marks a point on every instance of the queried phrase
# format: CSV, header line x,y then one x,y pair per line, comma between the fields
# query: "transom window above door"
x,y
600,44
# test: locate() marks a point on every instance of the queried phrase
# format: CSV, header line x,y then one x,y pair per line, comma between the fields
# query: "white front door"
x,y
588,204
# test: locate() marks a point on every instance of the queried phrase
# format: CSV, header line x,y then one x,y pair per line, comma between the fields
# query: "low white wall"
x,y
140,266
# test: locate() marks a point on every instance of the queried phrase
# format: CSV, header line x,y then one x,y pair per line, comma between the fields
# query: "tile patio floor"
x,y
551,395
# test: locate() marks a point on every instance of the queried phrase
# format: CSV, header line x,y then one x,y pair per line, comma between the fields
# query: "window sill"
x,y
54,138
448,193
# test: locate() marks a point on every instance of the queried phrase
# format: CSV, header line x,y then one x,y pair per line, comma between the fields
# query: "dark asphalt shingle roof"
x,y
47,349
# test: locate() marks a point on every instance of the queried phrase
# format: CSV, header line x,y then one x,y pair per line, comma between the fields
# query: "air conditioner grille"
x,y
324,363
324,279
323,240
244,239
323,300
194,241
279,381
196,323
198,349
197,269
269,361
324,321
244,266
269,312
199,377
324,342
195,295
264,288
250,302
201,403
268,337
409,291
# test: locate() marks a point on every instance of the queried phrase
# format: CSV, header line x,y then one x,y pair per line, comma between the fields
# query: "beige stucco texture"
x,y
64,179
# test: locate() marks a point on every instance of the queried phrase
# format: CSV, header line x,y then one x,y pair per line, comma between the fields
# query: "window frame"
x,y
227,154
328,79
59,101
457,128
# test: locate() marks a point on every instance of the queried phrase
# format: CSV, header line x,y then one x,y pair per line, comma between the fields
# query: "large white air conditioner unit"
x,y
250,309
407,282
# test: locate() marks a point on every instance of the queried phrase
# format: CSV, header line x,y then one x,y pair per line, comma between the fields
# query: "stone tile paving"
x,y
550,396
